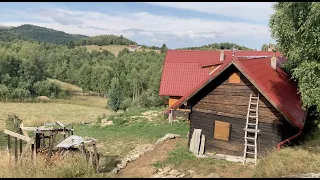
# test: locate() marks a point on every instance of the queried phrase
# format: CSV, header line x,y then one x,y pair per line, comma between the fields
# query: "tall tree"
x,y
295,26
163,49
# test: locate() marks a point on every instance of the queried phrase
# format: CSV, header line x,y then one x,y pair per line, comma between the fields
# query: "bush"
x,y
20,94
4,92
46,88
126,103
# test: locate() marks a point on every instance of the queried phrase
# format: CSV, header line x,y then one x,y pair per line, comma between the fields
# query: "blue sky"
x,y
178,24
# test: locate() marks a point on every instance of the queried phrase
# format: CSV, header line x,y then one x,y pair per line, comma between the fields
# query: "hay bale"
x,y
43,99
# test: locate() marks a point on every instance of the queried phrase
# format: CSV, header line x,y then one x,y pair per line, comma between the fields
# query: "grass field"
x,y
38,113
66,86
115,49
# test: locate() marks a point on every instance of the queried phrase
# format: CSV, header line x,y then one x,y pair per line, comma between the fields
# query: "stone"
x,y
106,123
120,166
115,170
308,175
150,149
160,169
136,156
166,169
213,175
191,171
174,172
181,175
156,176
43,99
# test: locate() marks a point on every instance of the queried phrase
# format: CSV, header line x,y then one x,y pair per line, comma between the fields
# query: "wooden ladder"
x,y
251,129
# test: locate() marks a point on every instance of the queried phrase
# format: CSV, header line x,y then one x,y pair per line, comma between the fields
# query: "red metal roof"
x,y
183,68
275,85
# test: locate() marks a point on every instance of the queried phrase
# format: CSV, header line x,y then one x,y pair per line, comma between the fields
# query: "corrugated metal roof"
x,y
183,68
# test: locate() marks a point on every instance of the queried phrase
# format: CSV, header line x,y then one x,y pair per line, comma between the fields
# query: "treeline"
x,y
23,74
215,46
103,40
6,35
43,34
131,79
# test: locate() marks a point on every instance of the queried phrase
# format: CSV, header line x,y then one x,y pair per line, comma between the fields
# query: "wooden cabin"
x,y
218,105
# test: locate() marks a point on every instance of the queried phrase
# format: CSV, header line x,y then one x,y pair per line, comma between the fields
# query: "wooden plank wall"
x,y
228,102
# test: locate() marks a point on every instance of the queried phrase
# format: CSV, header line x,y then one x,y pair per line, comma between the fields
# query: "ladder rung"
x,y
251,130
252,116
251,124
250,138
250,152
253,110
250,145
254,103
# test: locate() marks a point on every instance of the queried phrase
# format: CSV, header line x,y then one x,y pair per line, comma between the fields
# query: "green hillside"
x,y
43,34
103,40
214,46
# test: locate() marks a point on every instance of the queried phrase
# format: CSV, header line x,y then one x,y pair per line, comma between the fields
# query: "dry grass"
x,y
70,167
115,49
66,86
38,113
84,100
288,161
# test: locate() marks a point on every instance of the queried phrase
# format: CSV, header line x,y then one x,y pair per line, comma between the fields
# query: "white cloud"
x,y
257,11
142,24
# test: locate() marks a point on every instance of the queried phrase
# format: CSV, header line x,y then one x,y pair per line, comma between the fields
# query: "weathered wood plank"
x,y
16,135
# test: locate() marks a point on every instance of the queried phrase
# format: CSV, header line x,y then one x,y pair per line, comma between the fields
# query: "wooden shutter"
x,y
221,130
234,77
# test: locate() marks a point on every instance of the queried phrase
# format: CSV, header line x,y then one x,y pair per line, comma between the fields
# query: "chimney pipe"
x,y
274,60
221,55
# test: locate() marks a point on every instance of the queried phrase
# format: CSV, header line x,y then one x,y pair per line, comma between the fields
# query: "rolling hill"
x,y
215,46
43,34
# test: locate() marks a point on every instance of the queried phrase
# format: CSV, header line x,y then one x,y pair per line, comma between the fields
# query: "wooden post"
x,y
32,150
85,152
94,157
37,142
71,128
65,133
16,149
51,146
20,145
9,145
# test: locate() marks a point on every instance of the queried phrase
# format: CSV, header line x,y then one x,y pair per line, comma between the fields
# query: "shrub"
x,y
4,92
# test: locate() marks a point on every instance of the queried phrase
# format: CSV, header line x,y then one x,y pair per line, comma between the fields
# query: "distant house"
x,y
214,87
133,47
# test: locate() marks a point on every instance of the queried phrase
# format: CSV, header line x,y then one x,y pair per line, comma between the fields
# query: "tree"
x,y
71,45
295,26
115,95
163,49
264,47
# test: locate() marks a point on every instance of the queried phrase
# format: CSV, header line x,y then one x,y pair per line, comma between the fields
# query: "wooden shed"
x,y
219,105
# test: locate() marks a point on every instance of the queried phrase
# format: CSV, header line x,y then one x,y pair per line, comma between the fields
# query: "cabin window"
x,y
234,77
221,130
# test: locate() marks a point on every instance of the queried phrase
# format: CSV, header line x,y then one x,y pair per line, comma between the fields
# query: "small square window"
x,y
221,130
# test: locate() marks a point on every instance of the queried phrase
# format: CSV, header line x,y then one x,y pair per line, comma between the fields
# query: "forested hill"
x,y
43,34
6,35
103,40
224,45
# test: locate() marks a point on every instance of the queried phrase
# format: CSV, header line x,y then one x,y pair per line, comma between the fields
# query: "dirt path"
x,y
142,167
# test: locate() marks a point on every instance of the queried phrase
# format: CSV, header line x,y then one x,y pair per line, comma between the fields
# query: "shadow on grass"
x,y
108,163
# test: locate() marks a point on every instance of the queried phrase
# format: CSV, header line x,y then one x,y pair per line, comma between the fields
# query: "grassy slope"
x,y
115,49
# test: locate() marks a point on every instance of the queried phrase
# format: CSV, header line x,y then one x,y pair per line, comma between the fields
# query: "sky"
x,y
177,24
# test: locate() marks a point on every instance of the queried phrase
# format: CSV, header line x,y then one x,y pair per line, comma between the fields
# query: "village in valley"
x,y
107,106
